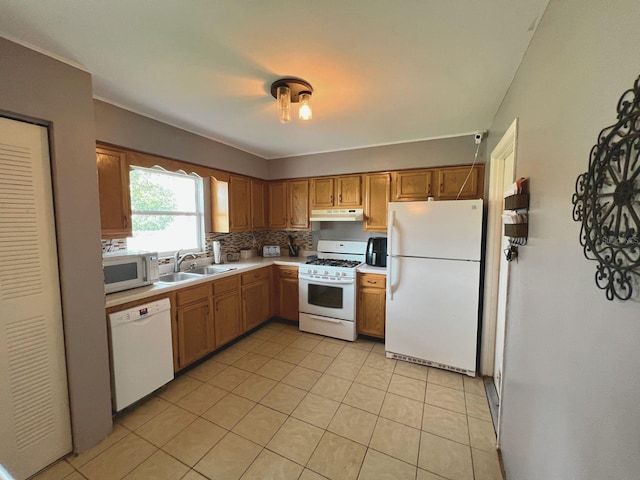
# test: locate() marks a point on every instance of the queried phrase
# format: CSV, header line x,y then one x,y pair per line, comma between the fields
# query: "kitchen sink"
x,y
177,277
209,270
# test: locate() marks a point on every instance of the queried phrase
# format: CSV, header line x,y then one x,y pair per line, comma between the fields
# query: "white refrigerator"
x,y
433,283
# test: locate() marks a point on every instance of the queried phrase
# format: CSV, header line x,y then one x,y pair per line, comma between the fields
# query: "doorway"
x,y
502,173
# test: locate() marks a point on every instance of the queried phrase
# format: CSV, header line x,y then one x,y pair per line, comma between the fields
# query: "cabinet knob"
x,y
442,187
340,198
126,221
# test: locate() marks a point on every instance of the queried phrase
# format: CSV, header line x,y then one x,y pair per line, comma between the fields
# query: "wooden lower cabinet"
x,y
287,292
371,304
226,310
256,301
195,332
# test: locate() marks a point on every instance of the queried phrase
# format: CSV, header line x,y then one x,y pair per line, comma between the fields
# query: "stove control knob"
x,y
326,272
315,271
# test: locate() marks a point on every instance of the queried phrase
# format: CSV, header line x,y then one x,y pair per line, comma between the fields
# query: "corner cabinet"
x,y
277,205
258,205
239,204
113,187
370,318
194,324
377,190
298,196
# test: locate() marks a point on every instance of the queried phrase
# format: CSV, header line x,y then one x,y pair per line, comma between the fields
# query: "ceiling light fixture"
x,y
292,90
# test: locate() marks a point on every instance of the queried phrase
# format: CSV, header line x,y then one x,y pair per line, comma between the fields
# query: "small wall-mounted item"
x,y
516,218
607,201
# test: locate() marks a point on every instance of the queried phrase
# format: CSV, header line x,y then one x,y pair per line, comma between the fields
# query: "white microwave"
x,y
125,270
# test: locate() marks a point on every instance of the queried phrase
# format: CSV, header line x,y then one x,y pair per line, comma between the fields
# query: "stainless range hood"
x,y
338,215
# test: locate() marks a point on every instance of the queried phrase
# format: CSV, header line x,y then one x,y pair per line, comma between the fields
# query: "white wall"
x,y
572,365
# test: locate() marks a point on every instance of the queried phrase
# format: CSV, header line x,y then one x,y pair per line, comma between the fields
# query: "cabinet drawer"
x,y
226,285
288,272
190,295
254,276
372,280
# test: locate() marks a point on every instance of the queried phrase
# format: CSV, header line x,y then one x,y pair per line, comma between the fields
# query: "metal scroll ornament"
x,y
607,201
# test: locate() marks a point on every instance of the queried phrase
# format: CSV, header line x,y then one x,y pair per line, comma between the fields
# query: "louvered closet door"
x,y
34,406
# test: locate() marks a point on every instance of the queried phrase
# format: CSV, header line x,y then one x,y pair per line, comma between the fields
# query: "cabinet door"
x,y
226,317
412,186
451,181
278,205
288,293
255,304
239,203
376,202
298,193
322,192
113,186
195,332
371,311
258,205
349,191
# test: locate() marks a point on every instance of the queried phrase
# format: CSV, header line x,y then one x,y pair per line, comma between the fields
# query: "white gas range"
x,y
327,293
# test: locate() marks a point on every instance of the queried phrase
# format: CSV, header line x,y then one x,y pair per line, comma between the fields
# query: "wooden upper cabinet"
x,y
258,205
377,189
349,191
412,185
277,201
322,192
239,203
452,186
113,186
298,196
342,191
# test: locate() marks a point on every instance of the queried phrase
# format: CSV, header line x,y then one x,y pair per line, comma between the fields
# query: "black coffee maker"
x,y
377,252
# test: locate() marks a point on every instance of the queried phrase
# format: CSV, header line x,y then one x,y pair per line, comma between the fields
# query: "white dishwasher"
x,y
141,351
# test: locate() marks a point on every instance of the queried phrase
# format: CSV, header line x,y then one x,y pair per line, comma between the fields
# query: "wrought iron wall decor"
x,y
607,201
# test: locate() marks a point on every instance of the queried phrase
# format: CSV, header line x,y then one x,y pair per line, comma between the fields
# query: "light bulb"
x,y
284,104
305,106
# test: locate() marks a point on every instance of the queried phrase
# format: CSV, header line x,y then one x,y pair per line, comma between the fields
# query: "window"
x,y
166,211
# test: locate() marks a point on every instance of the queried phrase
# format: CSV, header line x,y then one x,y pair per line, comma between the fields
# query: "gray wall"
x,y
572,381
428,153
127,129
39,87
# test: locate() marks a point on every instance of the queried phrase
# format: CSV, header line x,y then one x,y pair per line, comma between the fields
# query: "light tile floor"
x,y
281,404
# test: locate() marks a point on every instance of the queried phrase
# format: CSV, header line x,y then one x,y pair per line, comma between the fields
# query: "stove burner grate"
x,y
327,262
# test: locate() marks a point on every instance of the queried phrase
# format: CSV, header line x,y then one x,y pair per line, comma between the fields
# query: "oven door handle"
x,y
325,319
327,282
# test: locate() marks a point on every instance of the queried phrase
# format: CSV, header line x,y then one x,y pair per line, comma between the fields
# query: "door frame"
x,y
506,145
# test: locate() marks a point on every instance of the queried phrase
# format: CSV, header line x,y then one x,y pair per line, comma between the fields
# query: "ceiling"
x,y
383,71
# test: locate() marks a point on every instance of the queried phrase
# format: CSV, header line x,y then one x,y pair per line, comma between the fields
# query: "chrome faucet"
x,y
179,259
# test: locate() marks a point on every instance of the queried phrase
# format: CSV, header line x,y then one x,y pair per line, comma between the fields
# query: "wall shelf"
x,y
518,233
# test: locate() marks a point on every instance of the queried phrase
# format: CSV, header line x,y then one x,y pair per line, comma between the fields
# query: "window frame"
x,y
199,203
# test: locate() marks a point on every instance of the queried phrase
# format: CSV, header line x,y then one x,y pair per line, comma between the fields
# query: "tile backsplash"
x,y
233,242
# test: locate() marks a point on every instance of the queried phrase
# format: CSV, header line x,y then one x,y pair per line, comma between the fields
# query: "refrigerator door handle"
x,y
392,220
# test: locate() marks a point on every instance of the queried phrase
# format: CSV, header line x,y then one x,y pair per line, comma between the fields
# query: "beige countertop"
x,y
371,269
242,266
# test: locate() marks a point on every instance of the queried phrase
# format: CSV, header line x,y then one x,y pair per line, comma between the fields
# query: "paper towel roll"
x,y
217,252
